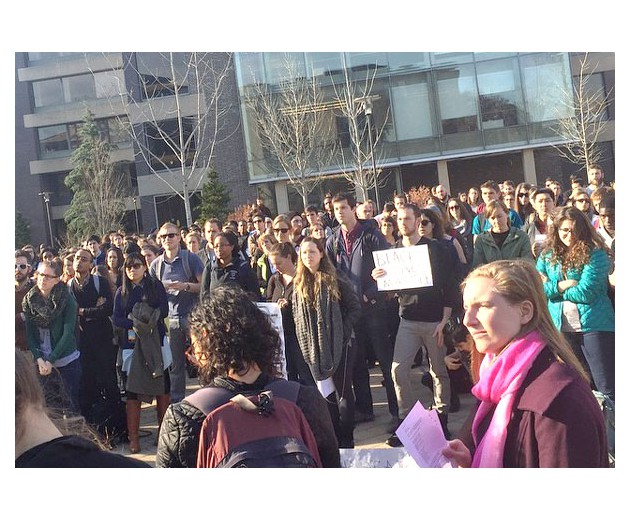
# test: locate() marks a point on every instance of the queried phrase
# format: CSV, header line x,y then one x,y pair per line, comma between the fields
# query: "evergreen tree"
x,y
22,230
215,198
98,202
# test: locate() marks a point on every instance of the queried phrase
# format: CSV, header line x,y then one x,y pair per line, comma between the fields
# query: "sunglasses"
x,y
453,207
21,267
168,235
523,194
281,230
135,266
425,222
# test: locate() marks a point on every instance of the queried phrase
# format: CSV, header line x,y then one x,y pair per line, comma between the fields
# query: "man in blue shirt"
x,y
180,272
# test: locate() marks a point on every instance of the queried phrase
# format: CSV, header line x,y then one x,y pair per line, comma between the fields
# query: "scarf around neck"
x,y
43,311
500,379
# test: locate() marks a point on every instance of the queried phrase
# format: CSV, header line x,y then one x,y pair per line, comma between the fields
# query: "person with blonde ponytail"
x,y
536,408
325,309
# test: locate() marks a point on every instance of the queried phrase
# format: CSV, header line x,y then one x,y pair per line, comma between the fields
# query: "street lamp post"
x,y
46,196
135,210
366,105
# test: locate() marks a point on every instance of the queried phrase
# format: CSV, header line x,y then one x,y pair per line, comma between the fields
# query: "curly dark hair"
x,y
232,333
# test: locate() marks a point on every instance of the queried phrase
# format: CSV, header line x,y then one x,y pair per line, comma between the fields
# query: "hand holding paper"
x,y
422,436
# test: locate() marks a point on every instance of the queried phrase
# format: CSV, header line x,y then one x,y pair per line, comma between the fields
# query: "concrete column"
x,y
529,167
282,196
442,168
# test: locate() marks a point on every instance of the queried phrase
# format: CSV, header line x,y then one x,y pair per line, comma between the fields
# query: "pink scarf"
x,y
500,379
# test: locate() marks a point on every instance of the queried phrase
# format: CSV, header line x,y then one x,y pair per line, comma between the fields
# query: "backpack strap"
x,y
185,262
211,397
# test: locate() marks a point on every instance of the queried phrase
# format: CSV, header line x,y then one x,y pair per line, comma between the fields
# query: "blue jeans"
x,y
178,337
62,387
596,350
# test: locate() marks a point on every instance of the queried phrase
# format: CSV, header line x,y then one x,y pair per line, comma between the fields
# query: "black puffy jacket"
x,y
179,433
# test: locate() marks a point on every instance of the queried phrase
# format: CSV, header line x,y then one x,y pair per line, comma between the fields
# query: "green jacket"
x,y
62,333
516,245
590,294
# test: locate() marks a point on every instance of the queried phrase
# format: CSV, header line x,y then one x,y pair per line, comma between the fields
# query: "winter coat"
x,y
179,433
590,294
516,245
556,420
238,272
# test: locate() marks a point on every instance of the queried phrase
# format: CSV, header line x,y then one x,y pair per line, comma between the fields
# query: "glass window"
x,y
481,56
457,99
411,107
53,140
450,58
118,132
156,73
323,63
249,68
48,92
78,88
109,83
500,94
400,61
359,62
546,80
163,143
35,56
279,66
595,88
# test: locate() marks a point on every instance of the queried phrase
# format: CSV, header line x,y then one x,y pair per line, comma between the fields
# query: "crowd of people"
x,y
524,275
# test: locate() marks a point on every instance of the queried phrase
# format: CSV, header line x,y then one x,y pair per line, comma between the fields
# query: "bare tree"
x,y
98,186
295,126
355,102
176,116
587,106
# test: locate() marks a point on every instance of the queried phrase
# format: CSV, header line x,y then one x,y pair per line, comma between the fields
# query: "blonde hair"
x,y
518,281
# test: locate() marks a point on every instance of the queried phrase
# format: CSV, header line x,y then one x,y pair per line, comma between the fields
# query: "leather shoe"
x,y
393,441
362,417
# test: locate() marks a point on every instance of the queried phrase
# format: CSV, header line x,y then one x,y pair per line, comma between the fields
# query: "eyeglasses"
x,y
523,195
425,222
281,230
47,276
21,267
168,235
135,266
566,230
586,201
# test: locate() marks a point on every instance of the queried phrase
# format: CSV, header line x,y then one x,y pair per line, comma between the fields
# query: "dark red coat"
x,y
556,422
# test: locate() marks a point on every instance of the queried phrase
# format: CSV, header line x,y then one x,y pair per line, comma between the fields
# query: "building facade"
x,y
132,97
455,119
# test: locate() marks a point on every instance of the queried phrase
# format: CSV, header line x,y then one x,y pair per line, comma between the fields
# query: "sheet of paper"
x,y
326,387
422,437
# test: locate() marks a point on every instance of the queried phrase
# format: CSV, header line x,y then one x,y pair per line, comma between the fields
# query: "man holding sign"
x,y
424,311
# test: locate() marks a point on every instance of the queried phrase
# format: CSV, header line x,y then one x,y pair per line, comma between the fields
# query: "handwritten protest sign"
x,y
405,268
272,310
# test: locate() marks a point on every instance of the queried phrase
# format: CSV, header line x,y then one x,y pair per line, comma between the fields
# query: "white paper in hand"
x,y
423,438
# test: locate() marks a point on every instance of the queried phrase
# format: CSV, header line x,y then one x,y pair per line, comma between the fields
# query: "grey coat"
x,y
146,373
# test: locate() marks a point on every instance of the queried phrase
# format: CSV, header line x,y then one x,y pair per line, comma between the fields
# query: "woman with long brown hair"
x,y
574,266
536,408
325,308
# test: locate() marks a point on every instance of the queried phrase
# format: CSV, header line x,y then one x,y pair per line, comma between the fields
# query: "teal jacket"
x,y
516,245
590,294
62,333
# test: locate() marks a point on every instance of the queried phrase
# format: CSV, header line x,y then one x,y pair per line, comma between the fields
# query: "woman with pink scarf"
x,y
536,408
